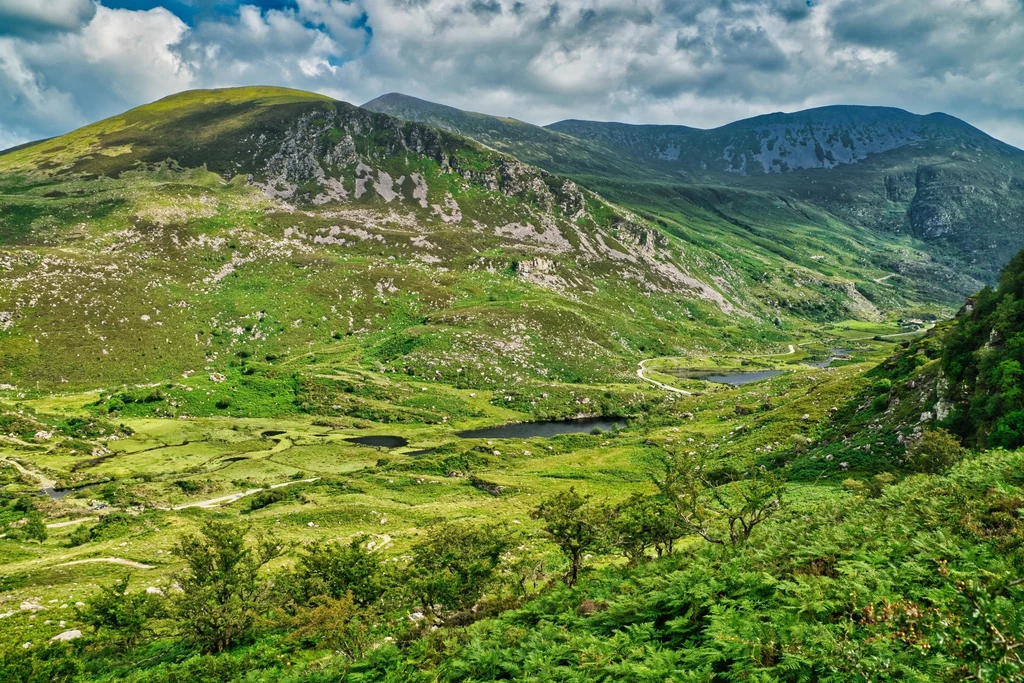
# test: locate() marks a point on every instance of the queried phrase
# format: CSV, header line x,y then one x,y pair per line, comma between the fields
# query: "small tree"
x,y
222,592
934,452
35,528
575,524
722,513
336,624
335,570
640,523
453,567
122,614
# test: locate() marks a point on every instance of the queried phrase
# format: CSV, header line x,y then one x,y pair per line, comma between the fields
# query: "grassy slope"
x,y
186,268
780,220
950,186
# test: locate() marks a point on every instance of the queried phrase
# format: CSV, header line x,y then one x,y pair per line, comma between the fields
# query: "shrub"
x,y
122,614
222,590
337,570
935,451
455,564
575,525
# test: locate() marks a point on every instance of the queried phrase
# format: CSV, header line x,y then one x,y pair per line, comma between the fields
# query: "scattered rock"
x,y
67,635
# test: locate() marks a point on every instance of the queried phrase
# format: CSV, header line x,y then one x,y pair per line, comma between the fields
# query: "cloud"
x,y
695,62
36,17
119,59
299,46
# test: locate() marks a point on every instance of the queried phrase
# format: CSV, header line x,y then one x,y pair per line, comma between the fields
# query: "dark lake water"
x,y
57,494
731,378
380,441
526,430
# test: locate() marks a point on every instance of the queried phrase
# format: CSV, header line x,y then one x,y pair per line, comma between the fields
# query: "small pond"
x,y
731,378
526,430
380,441
57,494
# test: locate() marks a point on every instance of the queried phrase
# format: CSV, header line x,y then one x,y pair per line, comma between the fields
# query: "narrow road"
x,y
232,497
111,560
660,385
897,334
641,375
44,483
59,525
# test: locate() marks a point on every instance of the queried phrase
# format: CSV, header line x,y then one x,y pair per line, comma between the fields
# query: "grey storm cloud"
x,y
30,18
694,62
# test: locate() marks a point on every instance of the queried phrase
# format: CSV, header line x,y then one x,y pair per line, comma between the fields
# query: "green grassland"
x,y
205,300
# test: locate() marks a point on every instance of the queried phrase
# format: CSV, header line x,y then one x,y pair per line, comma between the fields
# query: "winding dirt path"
x,y
59,525
922,330
232,497
44,483
661,385
110,560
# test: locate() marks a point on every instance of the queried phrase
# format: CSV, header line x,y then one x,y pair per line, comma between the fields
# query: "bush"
x,y
336,570
454,565
35,529
222,590
575,525
80,536
935,451
122,614
188,485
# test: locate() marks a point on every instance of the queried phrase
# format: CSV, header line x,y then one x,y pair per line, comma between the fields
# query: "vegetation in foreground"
x,y
919,580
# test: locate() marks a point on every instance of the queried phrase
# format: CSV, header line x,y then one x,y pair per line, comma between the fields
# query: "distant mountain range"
x,y
934,177
408,236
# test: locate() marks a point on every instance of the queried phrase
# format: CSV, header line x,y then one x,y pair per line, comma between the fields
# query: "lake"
x,y
545,428
380,441
731,378
57,494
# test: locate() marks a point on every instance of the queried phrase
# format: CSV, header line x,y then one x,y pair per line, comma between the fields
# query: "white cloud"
x,y
694,62
119,59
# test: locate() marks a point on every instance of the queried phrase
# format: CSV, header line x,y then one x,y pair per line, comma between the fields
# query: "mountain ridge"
x,y
933,177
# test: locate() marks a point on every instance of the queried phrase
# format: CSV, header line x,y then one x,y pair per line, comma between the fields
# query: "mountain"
x,y
262,220
710,188
251,223
645,143
535,145
933,177
821,138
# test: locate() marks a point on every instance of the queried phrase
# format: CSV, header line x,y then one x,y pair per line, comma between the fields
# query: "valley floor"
x,y
300,478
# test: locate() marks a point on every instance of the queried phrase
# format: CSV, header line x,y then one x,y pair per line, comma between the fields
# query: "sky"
x,y
65,63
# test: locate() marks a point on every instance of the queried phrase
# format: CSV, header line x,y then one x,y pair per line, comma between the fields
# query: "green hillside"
x,y
272,223
268,223
932,183
296,391
932,177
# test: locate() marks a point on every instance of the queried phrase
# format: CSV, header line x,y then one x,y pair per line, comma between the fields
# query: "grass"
x,y
171,334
